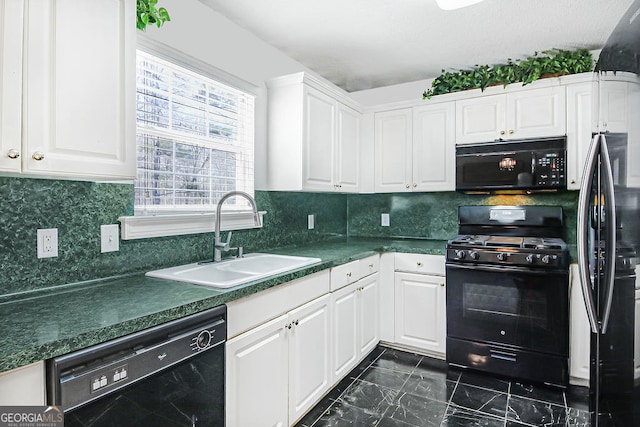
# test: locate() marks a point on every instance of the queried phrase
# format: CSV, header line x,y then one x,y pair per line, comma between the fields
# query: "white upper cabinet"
x,y
480,119
528,113
579,128
415,149
313,136
393,150
614,105
11,16
434,149
78,89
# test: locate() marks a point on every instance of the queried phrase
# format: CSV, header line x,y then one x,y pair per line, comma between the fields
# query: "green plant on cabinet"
x,y
553,62
147,13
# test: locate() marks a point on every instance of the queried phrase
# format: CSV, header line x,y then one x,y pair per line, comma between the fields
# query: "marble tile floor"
x,y
395,388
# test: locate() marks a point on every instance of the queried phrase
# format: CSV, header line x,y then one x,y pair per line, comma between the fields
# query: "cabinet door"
x,y
368,314
309,356
347,150
434,148
11,12
80,89
257,376
579,333
345,330
393,150
636,343
579,121
480,119
536,113
24,386
420,318
614,113
318,140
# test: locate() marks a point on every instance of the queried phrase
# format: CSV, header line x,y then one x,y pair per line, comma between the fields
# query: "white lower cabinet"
x,y
309,355
355,324
420,318
257,381
23,386
636,343
579,333
278,370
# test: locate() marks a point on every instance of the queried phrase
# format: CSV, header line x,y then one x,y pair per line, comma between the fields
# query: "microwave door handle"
x,y
610,232
583,214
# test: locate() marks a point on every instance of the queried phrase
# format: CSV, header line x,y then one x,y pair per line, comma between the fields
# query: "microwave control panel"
x,y
550,170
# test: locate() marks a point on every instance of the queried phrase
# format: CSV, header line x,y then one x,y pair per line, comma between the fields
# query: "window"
x,y
195,139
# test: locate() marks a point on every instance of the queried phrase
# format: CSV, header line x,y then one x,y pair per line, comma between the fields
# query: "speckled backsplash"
x,y
435,215
77,209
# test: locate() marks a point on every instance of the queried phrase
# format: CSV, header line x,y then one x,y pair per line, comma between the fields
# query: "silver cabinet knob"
x,y
511,131
419,264
442,284
407,186
13,154
37,156
415,185
502,132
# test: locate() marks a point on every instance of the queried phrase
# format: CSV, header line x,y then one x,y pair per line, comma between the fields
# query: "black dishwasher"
x,y
168,375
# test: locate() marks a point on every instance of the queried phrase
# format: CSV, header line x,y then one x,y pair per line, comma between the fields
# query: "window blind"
x,y
195,139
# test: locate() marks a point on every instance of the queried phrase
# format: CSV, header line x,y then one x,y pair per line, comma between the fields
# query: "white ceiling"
x,y
362,44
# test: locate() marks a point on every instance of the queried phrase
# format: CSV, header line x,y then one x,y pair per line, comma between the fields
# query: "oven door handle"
x,y
583,230
610,233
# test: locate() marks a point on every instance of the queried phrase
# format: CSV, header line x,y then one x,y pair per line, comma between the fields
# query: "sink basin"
x,y
234,272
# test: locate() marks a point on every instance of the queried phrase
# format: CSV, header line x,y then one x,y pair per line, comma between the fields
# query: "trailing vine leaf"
x,y
147,13
534,67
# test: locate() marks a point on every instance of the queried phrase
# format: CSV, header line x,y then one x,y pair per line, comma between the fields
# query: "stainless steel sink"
x,y
234,272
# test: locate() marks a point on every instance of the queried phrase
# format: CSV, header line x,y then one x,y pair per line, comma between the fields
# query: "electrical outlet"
x,y
384,219
47,245
311,221
109,239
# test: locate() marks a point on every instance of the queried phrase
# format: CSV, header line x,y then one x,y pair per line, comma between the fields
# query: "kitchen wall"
x,y
77,209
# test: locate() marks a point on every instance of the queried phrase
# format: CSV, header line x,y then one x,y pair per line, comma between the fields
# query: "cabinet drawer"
x,y
253,310
420,263
344,274
369,265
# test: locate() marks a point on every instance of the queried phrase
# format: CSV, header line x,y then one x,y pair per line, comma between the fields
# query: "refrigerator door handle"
x,y
610,232
583,217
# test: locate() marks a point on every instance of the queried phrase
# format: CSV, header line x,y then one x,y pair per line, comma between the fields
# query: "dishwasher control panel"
x,y
112,376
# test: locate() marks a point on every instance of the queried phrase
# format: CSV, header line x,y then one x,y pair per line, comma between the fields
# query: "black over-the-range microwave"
x,y
523,165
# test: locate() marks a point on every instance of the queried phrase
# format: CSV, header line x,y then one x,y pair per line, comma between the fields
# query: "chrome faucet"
x,y
218,246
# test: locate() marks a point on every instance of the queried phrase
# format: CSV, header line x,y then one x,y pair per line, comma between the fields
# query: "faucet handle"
x,y
228,239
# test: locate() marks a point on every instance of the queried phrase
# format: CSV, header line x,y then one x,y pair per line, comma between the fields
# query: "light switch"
x,y
109,239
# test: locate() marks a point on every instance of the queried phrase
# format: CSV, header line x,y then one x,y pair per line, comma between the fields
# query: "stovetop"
x,y
515,251
544,243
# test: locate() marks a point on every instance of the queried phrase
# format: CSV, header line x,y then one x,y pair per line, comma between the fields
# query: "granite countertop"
x,y
55,321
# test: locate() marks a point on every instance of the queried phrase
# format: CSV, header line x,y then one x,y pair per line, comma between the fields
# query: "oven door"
x,y
514,307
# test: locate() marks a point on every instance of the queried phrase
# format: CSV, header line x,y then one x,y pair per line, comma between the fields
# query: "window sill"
x,y
142,227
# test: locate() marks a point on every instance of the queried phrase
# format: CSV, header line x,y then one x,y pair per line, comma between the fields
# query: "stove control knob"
x,y
460,254
546,259
502,256
474,255
530,258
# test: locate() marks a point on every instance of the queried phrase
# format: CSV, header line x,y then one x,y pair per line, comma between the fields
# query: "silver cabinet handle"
x,y
502,132
407,186
583,214
13,154
37,156
610,225
511,131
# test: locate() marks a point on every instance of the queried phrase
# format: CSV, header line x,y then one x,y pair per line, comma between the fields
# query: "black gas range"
x,y
507,293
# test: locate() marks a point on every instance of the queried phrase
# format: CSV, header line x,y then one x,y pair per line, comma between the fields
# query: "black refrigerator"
x,y
608,231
